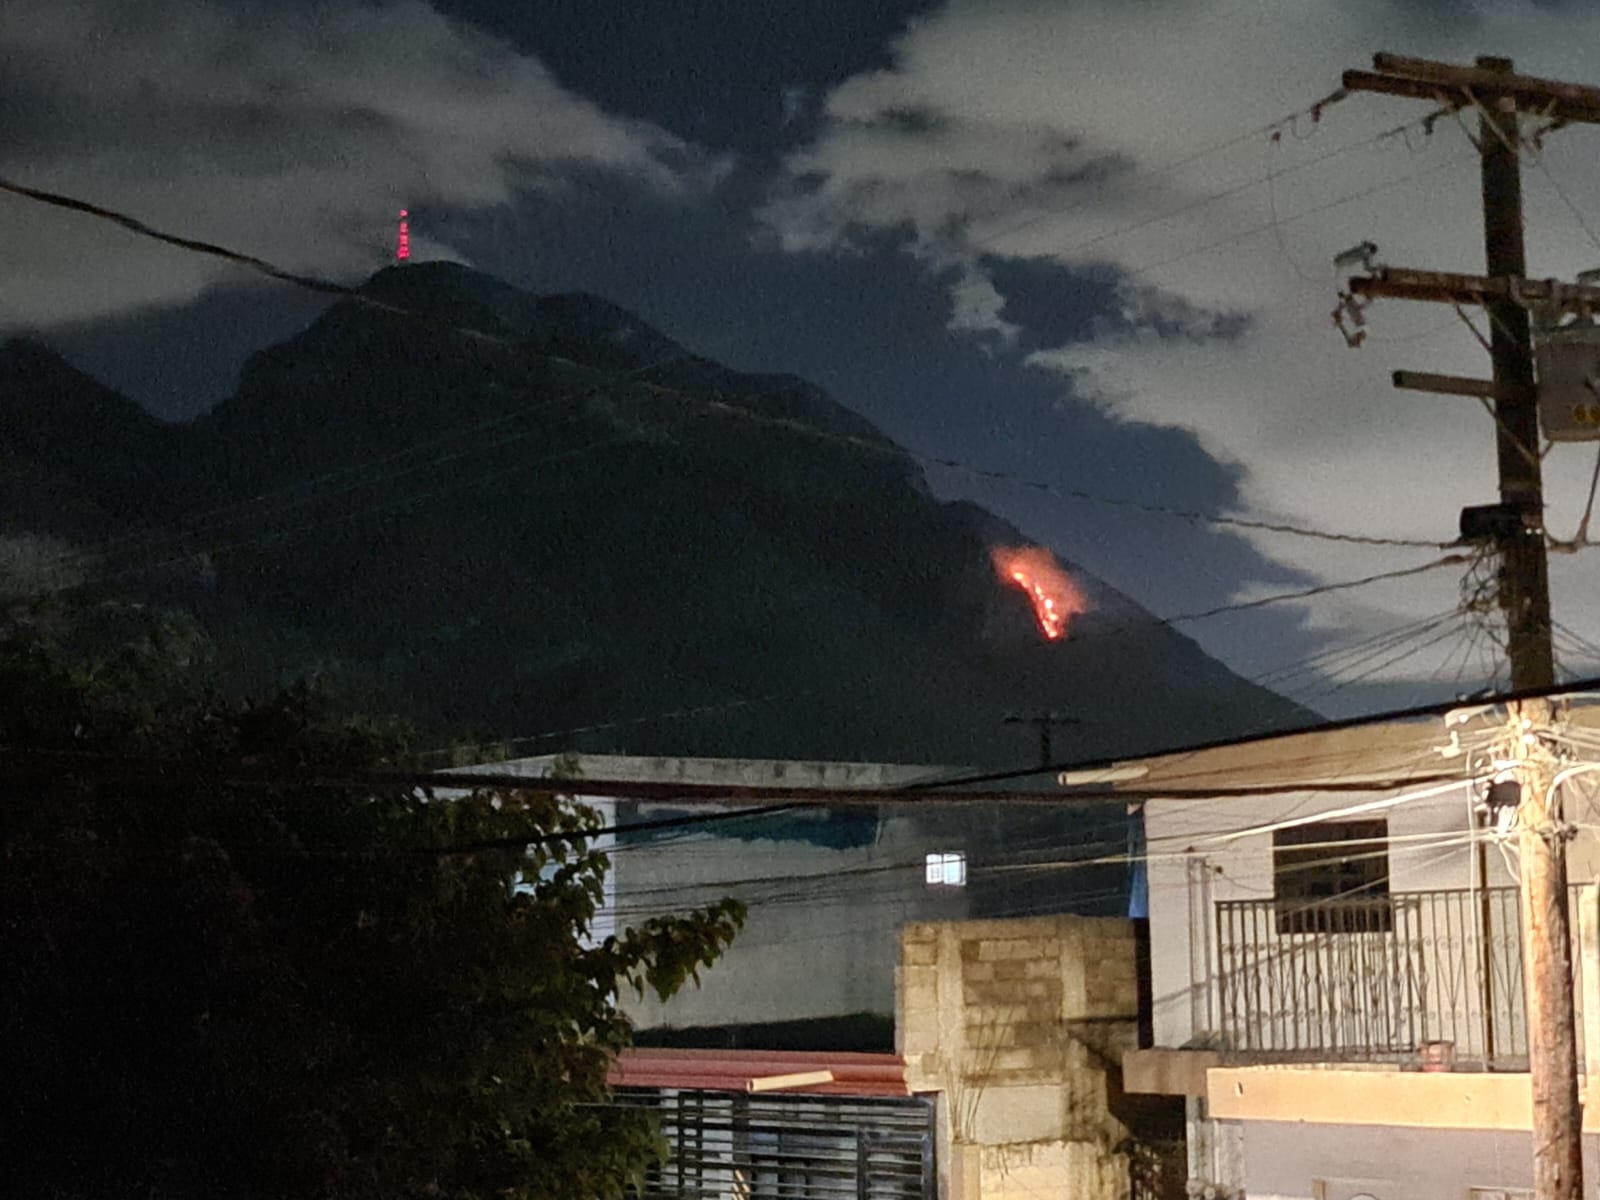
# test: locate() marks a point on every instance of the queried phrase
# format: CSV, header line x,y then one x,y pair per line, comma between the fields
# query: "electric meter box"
x,y
1568,362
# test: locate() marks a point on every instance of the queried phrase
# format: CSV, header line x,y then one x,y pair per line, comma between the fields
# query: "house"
x,y
828,889
799,1125
1334,993
875,929
1003,1086
1019,1027
1336,956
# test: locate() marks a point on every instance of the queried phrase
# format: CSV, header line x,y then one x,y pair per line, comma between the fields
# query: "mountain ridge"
x,y
575,522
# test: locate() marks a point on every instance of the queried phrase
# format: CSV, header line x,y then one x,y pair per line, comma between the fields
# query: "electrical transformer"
x,y
1568,362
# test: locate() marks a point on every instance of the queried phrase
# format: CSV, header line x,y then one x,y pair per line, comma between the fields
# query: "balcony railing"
x,y
1375,978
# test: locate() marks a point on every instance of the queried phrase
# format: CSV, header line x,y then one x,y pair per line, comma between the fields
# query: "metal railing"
x,y
778,1146
1374,978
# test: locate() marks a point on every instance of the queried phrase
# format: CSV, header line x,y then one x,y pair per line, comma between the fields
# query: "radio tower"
x,y
402,248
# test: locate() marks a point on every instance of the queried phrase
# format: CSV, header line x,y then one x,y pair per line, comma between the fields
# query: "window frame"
x,y
937,868
1318,890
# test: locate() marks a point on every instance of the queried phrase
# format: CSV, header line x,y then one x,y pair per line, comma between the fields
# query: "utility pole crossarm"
x,y
1456,385
1424,79
1450,287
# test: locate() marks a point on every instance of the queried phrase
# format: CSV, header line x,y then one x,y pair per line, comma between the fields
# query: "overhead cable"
x,y
358,295
20,765
312,283
1322,662
1267,226
1314,111
1558,691
1449,560
1224,194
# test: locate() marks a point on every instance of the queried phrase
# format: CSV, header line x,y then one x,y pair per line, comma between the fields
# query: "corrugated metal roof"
x,y
853,1074
1383,753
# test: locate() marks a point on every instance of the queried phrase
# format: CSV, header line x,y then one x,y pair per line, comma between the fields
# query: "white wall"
x,y
1190,870
604,923
1283,1161
822,935
605,920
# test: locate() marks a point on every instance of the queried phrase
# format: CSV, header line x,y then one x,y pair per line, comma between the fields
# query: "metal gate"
x,y
733,1146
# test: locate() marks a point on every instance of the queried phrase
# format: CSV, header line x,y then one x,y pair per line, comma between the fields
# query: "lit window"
x,y
948,869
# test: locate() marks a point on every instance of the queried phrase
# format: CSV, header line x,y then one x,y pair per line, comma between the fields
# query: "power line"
x,y
1448,560
1335,673
380,508
849,883
673,714
312,283
260,506
1314,111
1193,843
723,406
632,902
81,559
1424,844
1192,515
1073,639
1439,709
844,883
1228,192
682,821
889,449
1566,199
1581,642
22,765
1320,661
324,286
1289,220
1395,656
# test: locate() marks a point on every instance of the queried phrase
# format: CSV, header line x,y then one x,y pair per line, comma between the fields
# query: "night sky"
x,y
1082,243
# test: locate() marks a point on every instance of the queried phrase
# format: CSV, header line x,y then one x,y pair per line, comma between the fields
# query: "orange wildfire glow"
x,y
1056,599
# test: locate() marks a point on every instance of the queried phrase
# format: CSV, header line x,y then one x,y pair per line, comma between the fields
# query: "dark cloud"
x,y
291,130
1033,291
724,73
978,169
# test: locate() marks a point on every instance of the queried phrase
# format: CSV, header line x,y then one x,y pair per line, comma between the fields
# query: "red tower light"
x,y
402,250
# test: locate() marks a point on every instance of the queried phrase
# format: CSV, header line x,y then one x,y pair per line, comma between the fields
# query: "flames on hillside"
x,y
1056,599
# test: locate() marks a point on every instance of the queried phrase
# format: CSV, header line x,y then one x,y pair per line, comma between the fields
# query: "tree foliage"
x,y
219,990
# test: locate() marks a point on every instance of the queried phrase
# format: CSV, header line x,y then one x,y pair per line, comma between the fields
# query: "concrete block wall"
x,y
1021,1024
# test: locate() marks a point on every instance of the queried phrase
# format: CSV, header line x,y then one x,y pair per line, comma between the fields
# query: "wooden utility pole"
x,y
1525,579
1499,95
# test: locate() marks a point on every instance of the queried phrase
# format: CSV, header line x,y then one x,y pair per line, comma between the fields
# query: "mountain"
x,y
507,514
77,457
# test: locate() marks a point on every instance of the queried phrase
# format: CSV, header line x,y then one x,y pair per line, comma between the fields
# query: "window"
x,y
1332,877
947,869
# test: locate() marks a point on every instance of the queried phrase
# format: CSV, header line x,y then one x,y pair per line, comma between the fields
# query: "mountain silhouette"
x,y
515,516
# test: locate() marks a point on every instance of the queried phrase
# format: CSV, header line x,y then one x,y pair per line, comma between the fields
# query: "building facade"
x,y
1336,958
1005,1084
827,888
1019,1026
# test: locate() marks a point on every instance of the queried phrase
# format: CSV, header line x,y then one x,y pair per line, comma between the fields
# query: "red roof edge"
x,y
854,1074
